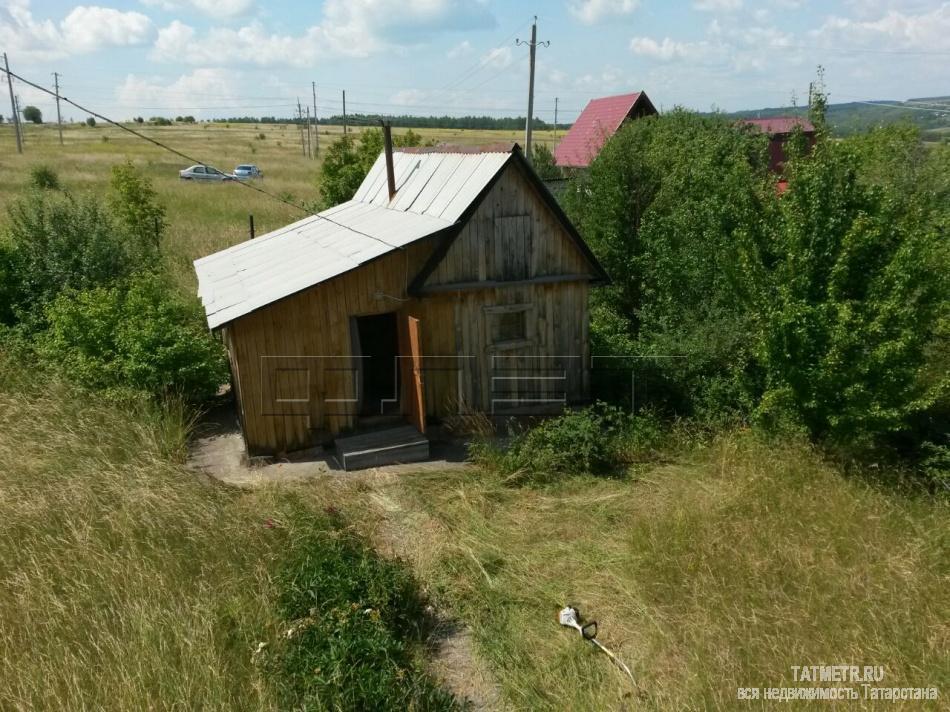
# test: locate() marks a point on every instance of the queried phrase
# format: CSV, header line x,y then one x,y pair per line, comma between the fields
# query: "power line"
x,y
194,160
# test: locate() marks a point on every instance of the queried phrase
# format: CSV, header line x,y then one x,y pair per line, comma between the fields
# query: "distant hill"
x,y
845,119
927,113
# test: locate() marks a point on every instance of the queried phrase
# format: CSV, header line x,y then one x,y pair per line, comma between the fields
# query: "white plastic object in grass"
x,y
569,617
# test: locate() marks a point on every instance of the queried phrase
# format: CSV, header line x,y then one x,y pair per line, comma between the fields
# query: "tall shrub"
x,y
348,160
856,292
140,336
136,208
672,206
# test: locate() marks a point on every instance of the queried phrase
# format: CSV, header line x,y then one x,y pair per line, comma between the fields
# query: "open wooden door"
x,y
410,348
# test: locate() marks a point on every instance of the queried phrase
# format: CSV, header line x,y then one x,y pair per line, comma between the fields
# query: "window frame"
x,y
494,310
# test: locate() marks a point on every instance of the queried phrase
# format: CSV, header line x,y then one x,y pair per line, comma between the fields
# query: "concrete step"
x,y
389,446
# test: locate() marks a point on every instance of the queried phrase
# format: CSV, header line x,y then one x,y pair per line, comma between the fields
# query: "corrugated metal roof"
x,y
599,121
433,191
780,124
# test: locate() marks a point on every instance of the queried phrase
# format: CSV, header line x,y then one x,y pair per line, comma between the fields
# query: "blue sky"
x,y
255,57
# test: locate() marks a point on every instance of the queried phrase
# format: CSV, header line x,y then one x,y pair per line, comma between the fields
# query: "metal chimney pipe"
x,y
388,148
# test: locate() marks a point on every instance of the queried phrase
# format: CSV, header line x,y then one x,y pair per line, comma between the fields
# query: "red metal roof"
x,y
780,124
598,122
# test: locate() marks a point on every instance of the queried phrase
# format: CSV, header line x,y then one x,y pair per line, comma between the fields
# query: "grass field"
x,y
202,218
128,583
718,569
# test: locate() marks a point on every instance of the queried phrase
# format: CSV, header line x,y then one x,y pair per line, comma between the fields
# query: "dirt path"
x,y
453,657
219,452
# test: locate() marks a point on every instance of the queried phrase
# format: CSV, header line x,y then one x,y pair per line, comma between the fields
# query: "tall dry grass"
x,y
718,571
125,583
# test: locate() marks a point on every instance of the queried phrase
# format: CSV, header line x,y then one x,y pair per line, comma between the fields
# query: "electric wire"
x,y
194,160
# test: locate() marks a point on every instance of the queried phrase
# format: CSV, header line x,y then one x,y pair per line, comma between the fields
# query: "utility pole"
x,y
303,144
316,125
309,143
16,102
59,117
532,46
16,116
555,118
344,112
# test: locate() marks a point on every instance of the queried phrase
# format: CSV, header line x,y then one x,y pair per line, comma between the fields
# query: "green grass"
x,y
717,571
202,218
128,582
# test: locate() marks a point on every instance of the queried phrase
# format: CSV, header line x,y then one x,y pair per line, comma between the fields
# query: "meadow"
x,y
203,218
718,561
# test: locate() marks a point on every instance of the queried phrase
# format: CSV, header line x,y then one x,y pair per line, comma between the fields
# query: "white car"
x,y
247,170
200,172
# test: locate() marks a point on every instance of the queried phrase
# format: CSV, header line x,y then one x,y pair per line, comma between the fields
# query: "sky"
x,y
220,58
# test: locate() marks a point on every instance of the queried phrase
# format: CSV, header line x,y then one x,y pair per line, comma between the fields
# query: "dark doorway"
x,y
379,368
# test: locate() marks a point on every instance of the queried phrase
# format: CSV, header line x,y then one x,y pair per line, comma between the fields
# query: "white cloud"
x,y
219,9
665,50
460,50
407,97
251,44
717,5
610,79
927,31
373,23
182,95
591,12
498,58
350,28
84,29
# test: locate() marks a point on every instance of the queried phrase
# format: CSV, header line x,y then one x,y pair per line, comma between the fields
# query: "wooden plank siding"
x,y
293,361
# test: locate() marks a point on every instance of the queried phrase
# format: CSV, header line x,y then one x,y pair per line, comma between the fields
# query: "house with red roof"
x,y
600,120
779,129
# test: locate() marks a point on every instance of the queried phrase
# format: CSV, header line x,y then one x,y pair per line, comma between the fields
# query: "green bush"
x,y
671,206
140,337
57,242
857,284
599,439
135,206
542,160
355,627
348,160
44,178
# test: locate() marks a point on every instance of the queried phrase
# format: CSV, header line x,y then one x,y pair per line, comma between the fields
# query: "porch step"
x,y
390,446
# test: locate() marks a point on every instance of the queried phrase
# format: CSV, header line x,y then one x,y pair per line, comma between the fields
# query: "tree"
x,y
542,160
348,160
669,206
31,113
857,289
138,335
56,242
91,122
135,205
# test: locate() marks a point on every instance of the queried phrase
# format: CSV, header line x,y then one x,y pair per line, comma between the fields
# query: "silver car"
x,y
247,170
200,172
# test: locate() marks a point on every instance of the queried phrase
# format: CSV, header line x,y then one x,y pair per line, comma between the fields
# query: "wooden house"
x,y
452,281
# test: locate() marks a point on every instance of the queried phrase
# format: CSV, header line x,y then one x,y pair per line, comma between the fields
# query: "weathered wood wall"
x,y
293,364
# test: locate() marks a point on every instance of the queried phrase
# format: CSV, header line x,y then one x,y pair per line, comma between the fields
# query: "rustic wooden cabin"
x,y
451,282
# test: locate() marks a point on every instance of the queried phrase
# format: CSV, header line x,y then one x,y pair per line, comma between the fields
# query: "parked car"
x,y
200,172
248,170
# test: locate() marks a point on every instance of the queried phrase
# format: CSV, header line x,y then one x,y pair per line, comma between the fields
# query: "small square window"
x,y
507,324
511,326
